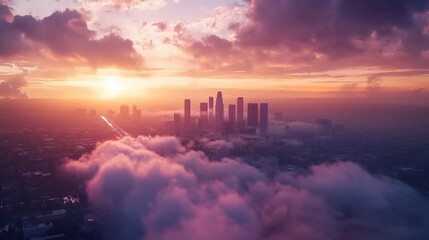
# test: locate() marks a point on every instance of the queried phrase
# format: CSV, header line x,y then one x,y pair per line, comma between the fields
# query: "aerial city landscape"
x,y
226,119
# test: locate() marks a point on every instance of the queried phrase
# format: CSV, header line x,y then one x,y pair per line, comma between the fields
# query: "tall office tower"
x,y
278,116
137,114
219,111
263,117
231,114
187,120
176,124
240,113
124,111
252,114
240,109
211,106
203,115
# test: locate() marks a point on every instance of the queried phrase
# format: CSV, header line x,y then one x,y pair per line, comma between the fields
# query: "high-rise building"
x,y
252,114
211,106
219,108
177,124
124,111
240,109
203,115
187,120
211,103
240,113
231,114
263,117
137,113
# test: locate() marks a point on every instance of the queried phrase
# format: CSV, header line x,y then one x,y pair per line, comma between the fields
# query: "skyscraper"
x,y
177,124
203,115
137,113
240,113
187,115
124,111
219,111
211,106
263,117
231,114
134,109
252,114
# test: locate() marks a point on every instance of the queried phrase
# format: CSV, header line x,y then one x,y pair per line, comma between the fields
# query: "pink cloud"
x,y
67,37
312,35
154,188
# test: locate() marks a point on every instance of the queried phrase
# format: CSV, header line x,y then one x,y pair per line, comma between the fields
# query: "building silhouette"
x,y
177,124
219,111
211,111
187,114
203,121
231,115
263,117
124,111
252,114
240,113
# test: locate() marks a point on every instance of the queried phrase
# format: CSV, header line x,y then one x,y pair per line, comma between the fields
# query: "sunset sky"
x,y
282,48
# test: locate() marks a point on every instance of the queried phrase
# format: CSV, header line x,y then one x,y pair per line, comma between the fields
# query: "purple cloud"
x,y
67,37
153,188
11,87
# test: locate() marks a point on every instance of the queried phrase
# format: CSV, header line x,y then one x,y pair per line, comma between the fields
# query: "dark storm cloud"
x,y
66,36
332,27
154,188
11,87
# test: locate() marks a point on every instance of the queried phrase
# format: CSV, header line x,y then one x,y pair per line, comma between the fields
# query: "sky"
x,y
280,49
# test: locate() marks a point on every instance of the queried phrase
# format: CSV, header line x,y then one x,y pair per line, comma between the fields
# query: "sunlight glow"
x,y
112,87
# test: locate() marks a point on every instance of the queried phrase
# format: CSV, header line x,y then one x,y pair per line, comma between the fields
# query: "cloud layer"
x,y
63,38
314,35
154,188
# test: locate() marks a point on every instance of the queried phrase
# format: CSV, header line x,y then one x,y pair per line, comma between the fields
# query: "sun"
x,y
112,87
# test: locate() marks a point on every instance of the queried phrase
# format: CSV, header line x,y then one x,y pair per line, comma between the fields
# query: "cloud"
x,y
333,27
64,37
11,86
374,84
289,36
5,12
154,188
162,26
127,4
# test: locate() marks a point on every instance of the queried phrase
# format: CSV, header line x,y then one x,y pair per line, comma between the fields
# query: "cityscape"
x,y
207,120
42,200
